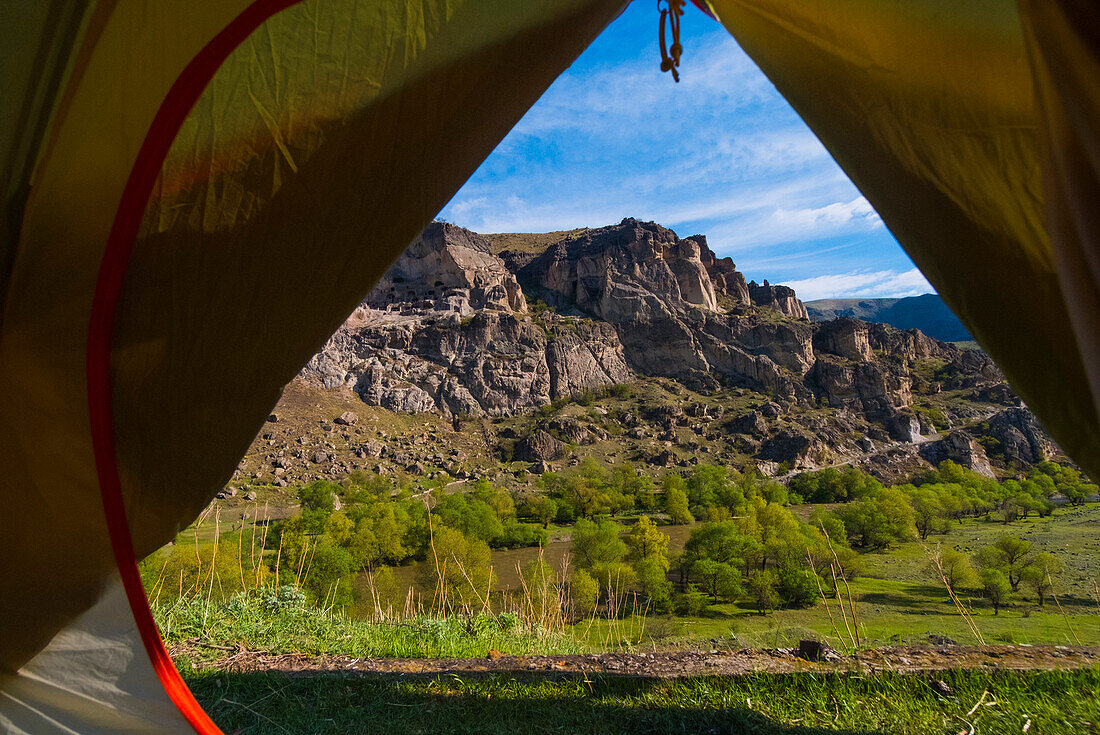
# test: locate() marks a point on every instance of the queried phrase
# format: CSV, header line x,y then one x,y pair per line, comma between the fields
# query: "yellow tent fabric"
x,y
321,147
336,129
930,108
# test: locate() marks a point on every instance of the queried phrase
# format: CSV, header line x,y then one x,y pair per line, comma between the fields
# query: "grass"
x,y
299,628
789,704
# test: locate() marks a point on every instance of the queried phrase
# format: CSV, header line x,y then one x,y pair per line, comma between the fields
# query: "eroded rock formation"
x,y
453,329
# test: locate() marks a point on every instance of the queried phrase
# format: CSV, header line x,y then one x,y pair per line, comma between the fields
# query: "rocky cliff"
x,y
447,329
461,328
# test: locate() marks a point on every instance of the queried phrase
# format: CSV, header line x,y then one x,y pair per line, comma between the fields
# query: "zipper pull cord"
x,y
671,11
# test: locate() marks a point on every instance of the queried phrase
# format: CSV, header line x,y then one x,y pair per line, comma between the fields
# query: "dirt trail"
x,y
668,664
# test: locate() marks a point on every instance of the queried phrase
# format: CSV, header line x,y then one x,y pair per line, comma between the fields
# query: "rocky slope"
x,y
510,350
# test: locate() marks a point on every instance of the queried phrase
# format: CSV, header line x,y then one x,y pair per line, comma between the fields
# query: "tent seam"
x,y
174,109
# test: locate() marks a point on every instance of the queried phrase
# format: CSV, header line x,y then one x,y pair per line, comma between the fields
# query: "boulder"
x,y
788,445
751,423
347,418
540,446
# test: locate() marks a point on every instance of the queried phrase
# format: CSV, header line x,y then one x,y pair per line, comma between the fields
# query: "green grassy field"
x,y
793,704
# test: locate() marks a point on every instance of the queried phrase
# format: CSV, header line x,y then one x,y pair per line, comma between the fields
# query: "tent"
x,y
185,187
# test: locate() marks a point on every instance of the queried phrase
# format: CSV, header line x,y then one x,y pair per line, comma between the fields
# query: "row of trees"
x,y
594,490
749,547
960,491
999,570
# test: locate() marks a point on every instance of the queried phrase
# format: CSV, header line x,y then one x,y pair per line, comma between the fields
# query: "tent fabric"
x,y
344,126
1063,42
930,108
196,193
93,678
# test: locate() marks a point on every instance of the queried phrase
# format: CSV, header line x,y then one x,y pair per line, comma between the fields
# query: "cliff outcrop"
x,y
457,329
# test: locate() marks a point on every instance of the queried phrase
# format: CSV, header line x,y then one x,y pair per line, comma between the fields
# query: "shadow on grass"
x,y
322,703
921,599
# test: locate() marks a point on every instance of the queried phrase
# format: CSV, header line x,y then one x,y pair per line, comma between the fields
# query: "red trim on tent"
x,y
173,111
702,5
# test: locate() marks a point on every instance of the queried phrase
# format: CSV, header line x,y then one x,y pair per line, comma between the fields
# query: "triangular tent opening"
x,y
185,184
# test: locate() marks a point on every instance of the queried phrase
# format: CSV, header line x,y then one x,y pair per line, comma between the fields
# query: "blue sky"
x,y
720,153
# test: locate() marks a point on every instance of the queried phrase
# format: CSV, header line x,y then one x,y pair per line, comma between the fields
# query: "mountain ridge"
x,y
630,343
926,312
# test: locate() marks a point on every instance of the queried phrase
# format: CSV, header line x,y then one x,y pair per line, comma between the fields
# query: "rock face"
x,y
846,338
449,330
658,292
962,448
448,268
1021,437
781,298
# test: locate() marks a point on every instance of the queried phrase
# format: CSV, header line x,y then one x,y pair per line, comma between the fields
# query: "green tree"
x,y
646,540
708,485
691,602
779,532
1009,555
597,542
498,499
516,535
722,541
388,525
955,568
796,586
761,587
319,495
676,500
473,516
718,579
879,521
1041,572
317,500
651,571
458,570
584,592
339,528
996,587
543,509
328,576
928,511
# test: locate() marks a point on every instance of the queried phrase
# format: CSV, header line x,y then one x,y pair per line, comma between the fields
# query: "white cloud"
x,y
862,284
857,213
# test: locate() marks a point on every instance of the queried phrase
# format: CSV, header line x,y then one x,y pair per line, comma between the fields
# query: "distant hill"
x,y
927,313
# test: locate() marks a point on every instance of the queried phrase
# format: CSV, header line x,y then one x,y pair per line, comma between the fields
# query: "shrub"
x,y
796,587
584,591
691,602
283,597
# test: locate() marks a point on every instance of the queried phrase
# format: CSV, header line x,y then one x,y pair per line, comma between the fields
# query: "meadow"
x,y
794,704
